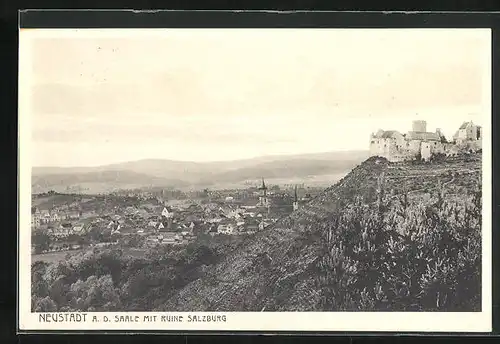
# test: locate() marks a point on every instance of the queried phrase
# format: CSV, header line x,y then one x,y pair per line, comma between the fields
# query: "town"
x,y
150,218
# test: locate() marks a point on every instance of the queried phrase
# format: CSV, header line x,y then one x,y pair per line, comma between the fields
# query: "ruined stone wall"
x,y
468,146
426,151
382,147
394,149
398,148
450,149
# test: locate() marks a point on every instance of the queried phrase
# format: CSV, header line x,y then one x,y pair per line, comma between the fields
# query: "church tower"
x,y
295,200
263,200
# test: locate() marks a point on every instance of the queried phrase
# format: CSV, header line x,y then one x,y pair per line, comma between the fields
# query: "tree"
x,y
39,286
45,305
94,293
40,240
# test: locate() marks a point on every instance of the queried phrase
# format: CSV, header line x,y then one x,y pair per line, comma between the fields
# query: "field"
x,y
54,257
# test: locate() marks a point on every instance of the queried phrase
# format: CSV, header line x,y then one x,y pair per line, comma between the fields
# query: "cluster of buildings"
x,y
215,218
422,144
59,222
160,222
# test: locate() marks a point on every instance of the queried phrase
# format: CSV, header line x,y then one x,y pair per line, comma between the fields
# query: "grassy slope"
x,y
275,270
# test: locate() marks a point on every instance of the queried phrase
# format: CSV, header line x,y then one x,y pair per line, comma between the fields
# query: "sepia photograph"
x,y
229,179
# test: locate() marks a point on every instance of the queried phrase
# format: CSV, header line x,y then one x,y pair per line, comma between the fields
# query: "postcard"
x,y
255,180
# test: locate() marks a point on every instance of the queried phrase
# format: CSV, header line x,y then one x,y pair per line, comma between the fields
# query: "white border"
x,y
244,321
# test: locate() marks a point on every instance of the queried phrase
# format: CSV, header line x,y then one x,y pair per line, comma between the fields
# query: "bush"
x,y
402,256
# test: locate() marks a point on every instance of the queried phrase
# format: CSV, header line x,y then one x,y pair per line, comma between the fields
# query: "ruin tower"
x,y
420,126
295,200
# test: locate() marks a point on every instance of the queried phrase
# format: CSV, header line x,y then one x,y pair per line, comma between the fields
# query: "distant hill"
x,y
287,169
179,174
400,237
102,181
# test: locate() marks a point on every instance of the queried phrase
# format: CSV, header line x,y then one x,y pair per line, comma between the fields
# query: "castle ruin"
x,y
421,144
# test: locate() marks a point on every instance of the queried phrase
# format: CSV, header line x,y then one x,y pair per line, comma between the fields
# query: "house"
x,y
35,217
63,207
212,230
149,207
209,207
78,229
240,226
468,131
226,227
247,214
45,216
214,220
35,222
73,215
166,213
131,210
152,240
142,213
167,226
170,238
116,230
251,226
263,225
88,214
54,217
63,230
233,213
191,218
307,197
104,244
128,230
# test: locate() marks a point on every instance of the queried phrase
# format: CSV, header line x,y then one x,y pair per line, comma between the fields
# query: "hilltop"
x,y
388,236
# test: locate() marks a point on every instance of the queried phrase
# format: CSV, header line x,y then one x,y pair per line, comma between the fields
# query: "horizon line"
x,y
202,161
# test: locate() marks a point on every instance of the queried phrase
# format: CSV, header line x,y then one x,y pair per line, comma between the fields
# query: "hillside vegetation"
x,y
400,237
387,237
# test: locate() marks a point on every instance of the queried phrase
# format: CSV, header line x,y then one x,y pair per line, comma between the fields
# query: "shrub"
x,y
400,255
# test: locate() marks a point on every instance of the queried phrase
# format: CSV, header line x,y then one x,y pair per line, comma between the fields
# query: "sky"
x,y
95,97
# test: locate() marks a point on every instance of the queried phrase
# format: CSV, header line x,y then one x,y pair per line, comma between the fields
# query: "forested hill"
x,y
401,237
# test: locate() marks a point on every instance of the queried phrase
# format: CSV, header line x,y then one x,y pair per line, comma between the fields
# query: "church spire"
x,y
263,187
295,200
263,201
